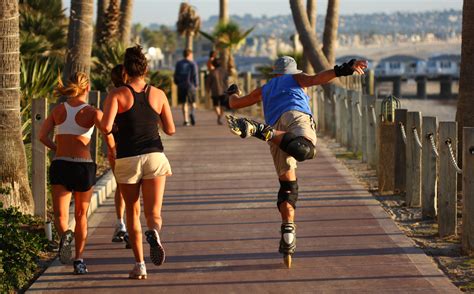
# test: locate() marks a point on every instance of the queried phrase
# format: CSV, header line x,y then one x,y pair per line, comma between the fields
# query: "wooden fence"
x,y
414,155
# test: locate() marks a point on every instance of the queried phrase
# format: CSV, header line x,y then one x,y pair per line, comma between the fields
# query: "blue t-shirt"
x,y
186,74
282,94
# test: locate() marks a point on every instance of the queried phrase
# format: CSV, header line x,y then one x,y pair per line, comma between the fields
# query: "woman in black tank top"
x,y
136,109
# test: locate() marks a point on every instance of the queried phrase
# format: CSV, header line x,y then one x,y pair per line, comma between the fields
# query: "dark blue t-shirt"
x,y
186,74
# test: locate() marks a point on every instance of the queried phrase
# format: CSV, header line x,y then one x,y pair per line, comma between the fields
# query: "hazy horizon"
x,y
166,11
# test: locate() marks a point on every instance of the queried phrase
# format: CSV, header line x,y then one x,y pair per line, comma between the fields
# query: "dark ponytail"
x,y
135,62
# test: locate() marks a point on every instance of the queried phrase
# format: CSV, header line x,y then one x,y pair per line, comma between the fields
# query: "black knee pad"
x,y
298,147
288,192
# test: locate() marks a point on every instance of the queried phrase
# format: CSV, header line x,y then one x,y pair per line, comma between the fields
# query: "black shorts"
x,y
186,95
75,176
219,100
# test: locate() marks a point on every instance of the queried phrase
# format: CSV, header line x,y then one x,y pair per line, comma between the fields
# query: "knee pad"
x,y
288,192
298,147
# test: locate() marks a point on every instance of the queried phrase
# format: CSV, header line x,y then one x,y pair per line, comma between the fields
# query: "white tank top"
x,y
70,126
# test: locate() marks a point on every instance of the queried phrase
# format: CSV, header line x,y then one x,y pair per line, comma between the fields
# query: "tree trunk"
x,y
14,185
79,45
311,8
465,106
189,40
307,37
110,25
126,10
224,11
330,31
99,23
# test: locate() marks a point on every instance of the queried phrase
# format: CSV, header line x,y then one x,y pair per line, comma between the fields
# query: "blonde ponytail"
x,y
77,85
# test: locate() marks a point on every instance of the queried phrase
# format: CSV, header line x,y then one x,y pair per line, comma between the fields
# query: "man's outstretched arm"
x,y
235,101
346,69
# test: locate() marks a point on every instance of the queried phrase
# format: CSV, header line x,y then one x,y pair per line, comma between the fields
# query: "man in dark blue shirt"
x,y
187,80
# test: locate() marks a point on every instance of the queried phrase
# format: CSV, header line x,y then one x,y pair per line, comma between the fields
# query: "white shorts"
x,y
131,170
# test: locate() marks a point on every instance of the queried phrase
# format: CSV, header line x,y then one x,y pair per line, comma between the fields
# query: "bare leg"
x,y
286,210
131,196
81,205
153,190
61,202
119,203
185,112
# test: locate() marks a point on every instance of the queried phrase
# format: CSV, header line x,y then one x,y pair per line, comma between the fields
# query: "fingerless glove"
x,y
344,69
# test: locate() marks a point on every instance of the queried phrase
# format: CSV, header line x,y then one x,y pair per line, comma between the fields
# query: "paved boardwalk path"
x,y
221,230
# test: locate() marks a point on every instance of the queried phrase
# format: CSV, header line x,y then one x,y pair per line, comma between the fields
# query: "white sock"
x,y
140,264
120,222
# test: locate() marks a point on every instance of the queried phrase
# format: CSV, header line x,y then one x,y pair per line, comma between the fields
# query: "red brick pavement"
x,y
221,230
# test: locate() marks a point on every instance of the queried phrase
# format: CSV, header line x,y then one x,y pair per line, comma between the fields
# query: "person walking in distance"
x,y
289,128
72,170
140,162
217,83
118,78
187,80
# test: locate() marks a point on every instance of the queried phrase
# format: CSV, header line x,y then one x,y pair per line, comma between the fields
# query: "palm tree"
x,y
126,10
330,31
14,186
110,24
188,23
223,11
79,47
308,37
228,37
99,23
465,106
311,8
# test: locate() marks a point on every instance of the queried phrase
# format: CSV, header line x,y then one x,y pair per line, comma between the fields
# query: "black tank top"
x,y
137,128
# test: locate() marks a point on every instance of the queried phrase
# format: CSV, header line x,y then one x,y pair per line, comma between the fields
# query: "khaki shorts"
x,y
130,170
300,124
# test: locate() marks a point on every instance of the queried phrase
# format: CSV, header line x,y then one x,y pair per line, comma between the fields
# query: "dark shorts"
x,y
219,100
186,95
75,176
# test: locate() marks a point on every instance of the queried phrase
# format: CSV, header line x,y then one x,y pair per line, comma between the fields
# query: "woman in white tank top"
x,y
72,171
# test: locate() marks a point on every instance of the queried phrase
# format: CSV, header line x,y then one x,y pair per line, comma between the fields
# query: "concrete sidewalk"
x,y
221,230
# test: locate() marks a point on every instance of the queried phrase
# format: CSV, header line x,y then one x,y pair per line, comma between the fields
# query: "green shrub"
x,y
20,246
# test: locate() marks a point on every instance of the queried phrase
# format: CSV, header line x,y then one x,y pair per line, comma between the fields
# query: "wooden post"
x,y
400,151
314,103
413,162
371,132
202,89
429,168
363,130
356,120
468,190
447,194
174,95
348,125
94,100
321,111
337,112
38,115
343,106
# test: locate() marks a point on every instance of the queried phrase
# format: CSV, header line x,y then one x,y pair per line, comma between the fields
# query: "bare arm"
x,y
167,117
108,139
110,111
239,102
46,129
326,76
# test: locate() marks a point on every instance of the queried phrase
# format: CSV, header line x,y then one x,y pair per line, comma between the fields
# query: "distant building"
x,y
401,65
445,64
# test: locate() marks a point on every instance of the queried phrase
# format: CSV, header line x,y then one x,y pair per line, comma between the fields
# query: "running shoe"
x,y
119,233
138,272
126,238
65,247
157,252
80,267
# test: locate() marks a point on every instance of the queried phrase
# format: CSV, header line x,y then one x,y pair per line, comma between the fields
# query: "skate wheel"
x,y
287,260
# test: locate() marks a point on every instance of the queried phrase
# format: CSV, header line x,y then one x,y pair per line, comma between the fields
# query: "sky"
x,y
166,11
